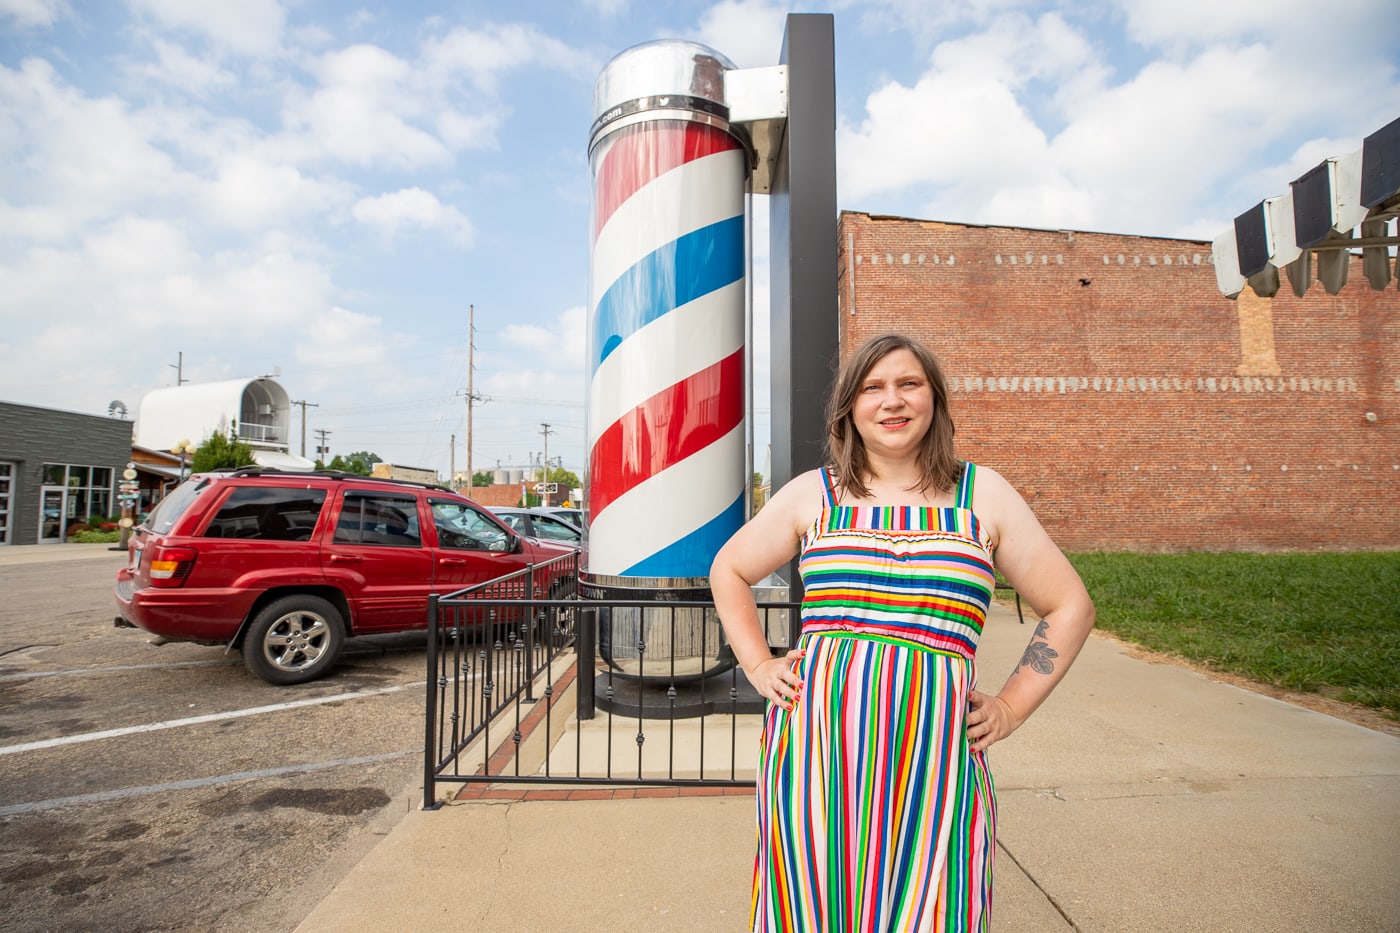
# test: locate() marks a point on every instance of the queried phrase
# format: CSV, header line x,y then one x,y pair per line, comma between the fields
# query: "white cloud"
x,y
1194,22
608,8
465,131
364,112
77,162
375,108
1022,123
248,27
72,158
178,68
33,13
250,192
414,208
747,32
961,126
569,328
339,339
484,56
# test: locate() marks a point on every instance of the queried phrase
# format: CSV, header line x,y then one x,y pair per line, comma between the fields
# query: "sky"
x,y
322,190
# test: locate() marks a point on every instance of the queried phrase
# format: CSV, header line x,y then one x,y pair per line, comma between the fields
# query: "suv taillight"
x,y
170,566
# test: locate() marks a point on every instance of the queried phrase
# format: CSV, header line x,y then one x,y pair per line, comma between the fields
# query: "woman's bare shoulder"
x,y
800,499
990,480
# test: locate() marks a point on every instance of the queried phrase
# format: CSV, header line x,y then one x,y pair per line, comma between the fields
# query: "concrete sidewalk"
x,y
17,554
1141,797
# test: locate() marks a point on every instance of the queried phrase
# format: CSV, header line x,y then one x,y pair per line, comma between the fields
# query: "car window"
x,y
554,530
169,509
269,513
515,520
367,518
462,527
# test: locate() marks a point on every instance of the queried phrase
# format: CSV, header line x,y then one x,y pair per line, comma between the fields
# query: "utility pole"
x,y
452,462
471,388
179,368
304,406
472,397
323,447
544,496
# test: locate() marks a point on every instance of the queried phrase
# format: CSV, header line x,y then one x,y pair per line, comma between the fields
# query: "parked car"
x,y
570,515
540,523
286,566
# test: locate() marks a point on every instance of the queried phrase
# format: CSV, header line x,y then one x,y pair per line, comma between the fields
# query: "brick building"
x,y
1133,405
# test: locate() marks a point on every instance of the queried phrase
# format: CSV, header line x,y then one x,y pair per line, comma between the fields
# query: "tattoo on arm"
x,y
1039,655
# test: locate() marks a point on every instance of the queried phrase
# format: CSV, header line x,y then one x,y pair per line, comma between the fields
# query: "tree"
x,y
483,478
567,480
760,496
361,462
221,453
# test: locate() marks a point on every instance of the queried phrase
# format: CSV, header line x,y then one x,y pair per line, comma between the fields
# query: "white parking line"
x,y
197,720
125,792
30,675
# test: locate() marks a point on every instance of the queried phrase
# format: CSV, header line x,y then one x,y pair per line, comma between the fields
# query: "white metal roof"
x,y
196,411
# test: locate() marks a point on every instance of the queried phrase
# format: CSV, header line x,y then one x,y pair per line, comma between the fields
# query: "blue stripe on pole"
x,y
692,555
673,275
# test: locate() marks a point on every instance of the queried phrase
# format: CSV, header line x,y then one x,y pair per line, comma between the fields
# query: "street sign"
x,y
550,488
128,473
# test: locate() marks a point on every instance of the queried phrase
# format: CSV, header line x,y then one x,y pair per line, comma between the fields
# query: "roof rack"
x,y
332,474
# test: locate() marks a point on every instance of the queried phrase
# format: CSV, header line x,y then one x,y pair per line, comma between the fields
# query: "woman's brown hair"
x,y
939,467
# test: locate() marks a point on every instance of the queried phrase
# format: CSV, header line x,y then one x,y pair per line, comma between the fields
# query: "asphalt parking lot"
x,y
167,788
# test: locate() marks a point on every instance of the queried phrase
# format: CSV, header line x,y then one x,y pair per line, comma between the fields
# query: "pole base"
x,y
693,698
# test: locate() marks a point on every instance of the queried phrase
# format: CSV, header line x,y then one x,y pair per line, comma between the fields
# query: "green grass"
x,y
1320,623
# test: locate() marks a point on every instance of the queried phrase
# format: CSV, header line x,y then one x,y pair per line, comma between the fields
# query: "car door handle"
x,y
452,562
345,558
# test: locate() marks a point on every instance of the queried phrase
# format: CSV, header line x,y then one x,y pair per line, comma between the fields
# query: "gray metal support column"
x,y
802,250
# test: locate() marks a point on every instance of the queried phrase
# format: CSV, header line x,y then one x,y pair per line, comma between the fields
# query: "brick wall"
x,y
499,494
1131,404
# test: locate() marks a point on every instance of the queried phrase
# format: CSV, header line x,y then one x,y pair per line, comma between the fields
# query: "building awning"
x,y
1345,203
173,471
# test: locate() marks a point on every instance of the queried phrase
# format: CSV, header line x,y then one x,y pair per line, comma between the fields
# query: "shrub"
x,y
95,537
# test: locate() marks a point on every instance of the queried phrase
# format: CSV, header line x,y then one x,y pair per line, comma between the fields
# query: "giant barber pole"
x,y
668,465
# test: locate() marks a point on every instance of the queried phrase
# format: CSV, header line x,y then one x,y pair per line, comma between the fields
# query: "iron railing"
x,y
519,692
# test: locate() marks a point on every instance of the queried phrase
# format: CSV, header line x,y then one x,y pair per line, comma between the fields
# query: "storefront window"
x,y
7,474
88,490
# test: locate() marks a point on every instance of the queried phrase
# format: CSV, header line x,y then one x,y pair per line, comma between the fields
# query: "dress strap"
x,y
830,489
965,482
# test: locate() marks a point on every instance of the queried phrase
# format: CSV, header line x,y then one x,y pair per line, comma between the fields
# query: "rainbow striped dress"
x,y
873,812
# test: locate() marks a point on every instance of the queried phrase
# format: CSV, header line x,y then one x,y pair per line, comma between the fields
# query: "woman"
x,y
875,806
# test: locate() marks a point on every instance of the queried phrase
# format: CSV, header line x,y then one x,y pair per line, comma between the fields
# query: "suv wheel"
x,y
565,620
293,639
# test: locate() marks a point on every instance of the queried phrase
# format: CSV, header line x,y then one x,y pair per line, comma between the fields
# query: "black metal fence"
x,y
527,684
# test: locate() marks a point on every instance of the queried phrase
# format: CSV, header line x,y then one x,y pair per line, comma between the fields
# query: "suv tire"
x,y
565,621
294,639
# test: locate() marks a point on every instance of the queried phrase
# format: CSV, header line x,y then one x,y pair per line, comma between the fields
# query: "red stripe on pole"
x,y
665,429
644,153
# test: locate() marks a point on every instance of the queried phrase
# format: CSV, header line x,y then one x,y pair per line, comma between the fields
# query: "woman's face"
x,y
893,409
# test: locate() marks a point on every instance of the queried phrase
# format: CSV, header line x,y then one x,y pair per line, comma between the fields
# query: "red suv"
x,y
288,565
